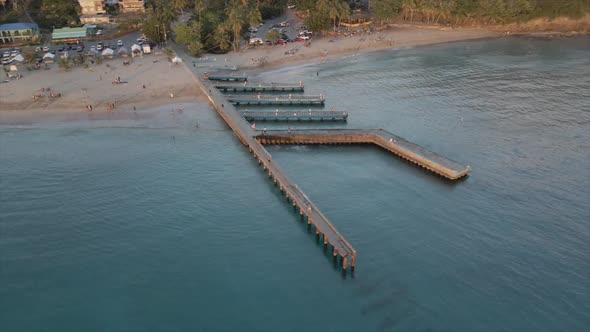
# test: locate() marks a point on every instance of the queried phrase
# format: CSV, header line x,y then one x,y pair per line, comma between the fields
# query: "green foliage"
x,y
190,35
58,13
272,36
326,12
483,11
195,47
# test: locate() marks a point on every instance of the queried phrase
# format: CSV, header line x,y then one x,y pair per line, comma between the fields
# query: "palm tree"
x,y
200,7
334,13
343,11
235,20
180,4
254,17
221,38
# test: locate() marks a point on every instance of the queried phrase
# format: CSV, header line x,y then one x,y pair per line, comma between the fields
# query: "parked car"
x,y
119,43
291,6
298,39
37,49
6,61
14,53
256,41
261,24
93,48
253,29
305,37
6,54
284,24
99,47
61,48
80,49
99,32
281,42
45,48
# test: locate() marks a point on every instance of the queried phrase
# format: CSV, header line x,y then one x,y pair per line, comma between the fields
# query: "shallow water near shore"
x,y
164,222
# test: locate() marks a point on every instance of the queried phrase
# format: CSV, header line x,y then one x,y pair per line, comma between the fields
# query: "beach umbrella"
x,y
19,58
135,48
49,55
108,51
176,59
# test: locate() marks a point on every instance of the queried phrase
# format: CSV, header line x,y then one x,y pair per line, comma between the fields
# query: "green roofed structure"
x,y
69,34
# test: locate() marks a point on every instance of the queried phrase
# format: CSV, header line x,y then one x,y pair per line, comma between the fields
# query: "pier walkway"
x,y
388,141
307,210
261,87
300,116
276,100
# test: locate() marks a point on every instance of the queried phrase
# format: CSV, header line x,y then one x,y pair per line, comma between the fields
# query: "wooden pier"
x,y
275,100
227,77
301,116
324,230
262,87
406,150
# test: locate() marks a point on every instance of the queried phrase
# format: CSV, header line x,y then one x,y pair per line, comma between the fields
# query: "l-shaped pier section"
x,y
414,153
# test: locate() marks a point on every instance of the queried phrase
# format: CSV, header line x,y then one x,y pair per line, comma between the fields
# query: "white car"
x,y
6,54
99,47
253,29
98,32
6,61
45,48
256,41
119,43
304,37
284,24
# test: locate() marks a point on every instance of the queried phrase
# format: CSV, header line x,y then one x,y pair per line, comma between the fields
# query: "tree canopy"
x,y
482,11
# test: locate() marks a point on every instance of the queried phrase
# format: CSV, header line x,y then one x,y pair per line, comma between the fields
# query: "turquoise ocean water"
x,y
164,221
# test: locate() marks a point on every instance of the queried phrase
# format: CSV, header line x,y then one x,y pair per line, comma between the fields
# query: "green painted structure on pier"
x,y
262,87
276,100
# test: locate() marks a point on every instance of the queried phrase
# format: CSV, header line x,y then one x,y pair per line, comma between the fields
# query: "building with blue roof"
x,y
16,33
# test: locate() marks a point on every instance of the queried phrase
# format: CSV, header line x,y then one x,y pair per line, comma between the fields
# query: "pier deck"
x,y
295,116
276,100
262,87
388,141
227,77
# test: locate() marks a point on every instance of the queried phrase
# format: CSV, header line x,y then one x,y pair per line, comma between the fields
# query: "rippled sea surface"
x,y
164,222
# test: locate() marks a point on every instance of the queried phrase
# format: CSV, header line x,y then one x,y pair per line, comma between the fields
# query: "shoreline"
x,y
152,79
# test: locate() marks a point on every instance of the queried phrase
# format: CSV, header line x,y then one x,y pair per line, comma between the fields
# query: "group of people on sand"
x,y
51,94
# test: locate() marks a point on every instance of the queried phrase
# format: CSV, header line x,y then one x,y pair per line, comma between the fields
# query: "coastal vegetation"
x,y
319,13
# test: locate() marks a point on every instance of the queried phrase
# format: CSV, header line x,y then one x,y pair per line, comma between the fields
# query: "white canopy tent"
x,y
108,51
176,59
19,58
49,55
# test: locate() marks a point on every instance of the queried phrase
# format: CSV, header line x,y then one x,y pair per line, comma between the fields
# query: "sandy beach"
x,y
148,81
328,47
151,80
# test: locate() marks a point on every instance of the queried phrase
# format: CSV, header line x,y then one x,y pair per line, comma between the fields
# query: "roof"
x,y
69,33
18,26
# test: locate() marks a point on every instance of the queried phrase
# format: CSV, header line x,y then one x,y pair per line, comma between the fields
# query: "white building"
x,y
92,7
132,5
93,11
